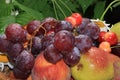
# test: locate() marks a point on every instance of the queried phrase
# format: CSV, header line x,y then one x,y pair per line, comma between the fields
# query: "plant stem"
x,y
66,6
55,9
101,18
60,8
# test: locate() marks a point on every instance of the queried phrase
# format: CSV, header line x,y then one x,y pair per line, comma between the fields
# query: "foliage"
x,y
23,11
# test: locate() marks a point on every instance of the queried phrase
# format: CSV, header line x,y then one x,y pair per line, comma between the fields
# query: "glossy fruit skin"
x,y
75,19
101,36
52,55
111,37
105,46
72,20
78,18
43,70
15,33
32,26
65,38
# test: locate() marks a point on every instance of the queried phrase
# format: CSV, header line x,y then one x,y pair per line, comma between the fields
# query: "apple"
x,y
44,70
96,64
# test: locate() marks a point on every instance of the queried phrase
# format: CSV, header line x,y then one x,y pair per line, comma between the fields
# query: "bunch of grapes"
x,y
57,39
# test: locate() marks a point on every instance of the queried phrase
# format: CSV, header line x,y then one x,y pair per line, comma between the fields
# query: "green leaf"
x,y
42,6
116,4
32,12
24,18
5,8
4,21
85,4
99,9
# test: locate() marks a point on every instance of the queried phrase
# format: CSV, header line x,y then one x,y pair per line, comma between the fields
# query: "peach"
x,y
43,70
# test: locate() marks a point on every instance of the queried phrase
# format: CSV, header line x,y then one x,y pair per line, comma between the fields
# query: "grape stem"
x,y
60,8
35,32
109,6
115,46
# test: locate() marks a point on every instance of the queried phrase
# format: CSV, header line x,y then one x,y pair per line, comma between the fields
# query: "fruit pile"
x,y
60,50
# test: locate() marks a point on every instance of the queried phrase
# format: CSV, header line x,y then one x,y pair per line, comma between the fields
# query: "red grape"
x,y
73,57
36,46
64,41
52,55
32,26
4,45
63,25
25,61
15,33
83,43
49,23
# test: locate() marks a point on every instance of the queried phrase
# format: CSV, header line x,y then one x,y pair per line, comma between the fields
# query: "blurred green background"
x,y
23,11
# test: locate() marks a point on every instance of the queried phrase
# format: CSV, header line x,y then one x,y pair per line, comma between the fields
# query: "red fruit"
x,y
111,37
78,18
44,70
105,46
101,58
101,36
72,20
51,32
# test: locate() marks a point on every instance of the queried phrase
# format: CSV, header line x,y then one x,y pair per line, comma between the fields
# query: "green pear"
x,y
96,64
116,28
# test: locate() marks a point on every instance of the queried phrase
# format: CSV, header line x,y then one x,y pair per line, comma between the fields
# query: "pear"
x,y
116,28
95,64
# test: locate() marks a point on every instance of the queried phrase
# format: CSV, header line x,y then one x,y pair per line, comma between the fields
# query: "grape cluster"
x,y
55,38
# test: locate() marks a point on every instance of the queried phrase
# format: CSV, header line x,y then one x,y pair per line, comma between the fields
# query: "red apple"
x,y
44,70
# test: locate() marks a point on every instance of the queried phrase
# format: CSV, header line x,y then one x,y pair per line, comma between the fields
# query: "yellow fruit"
x,y
95,65
116,28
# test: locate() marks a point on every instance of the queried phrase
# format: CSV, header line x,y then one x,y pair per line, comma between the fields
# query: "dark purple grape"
x,y
32,26
63,25
46,41
83,43
4,45
81,27
13,50
15,33
73,57
64,41
92,30
24,61
20,75
52,55
49,23
89,28
36,46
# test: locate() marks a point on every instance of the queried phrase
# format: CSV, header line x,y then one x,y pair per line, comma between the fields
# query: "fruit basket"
x,y
67,49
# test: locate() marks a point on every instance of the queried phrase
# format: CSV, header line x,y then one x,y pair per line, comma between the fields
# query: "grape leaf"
x,y
4,21
85,4
32,12
24,18
99,9
5,8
